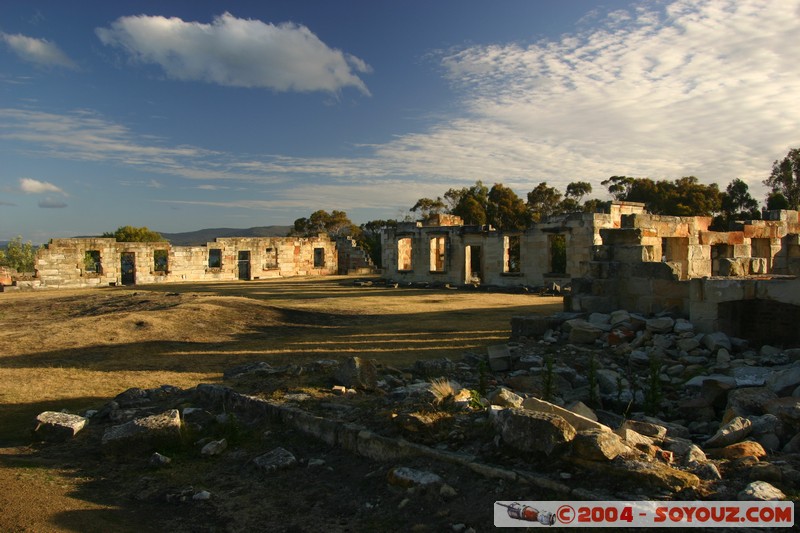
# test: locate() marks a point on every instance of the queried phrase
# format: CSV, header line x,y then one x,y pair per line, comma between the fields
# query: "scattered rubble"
x,y
641,408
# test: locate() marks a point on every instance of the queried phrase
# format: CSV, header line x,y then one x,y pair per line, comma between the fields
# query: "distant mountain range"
x,y
203,236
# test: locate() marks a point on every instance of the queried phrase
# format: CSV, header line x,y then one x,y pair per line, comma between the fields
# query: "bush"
x,y
19,256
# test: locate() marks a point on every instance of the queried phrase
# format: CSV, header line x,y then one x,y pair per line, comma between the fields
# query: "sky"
x,y
182,115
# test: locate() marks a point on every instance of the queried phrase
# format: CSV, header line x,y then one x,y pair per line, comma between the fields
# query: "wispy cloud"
x,y
8,204
237,52
703,88
40,52
86,136
32,186
372,194
52,203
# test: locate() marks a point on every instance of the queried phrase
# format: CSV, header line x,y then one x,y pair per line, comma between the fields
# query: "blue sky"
x,y
193,114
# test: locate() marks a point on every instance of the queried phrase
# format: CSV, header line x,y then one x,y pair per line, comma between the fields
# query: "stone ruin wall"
x,y
742,282
62,262
410,250
626,259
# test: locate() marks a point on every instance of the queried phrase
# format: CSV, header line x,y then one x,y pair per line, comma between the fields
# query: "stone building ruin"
x,y
742,281
94,261
442,249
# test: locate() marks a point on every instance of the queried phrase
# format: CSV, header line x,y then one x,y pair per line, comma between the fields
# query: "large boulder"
x,y
529,431
748,401
405,477
786,409
583,332
751,376
662,324
738,450
596,445
760,491
358,373
783,382
58,427
734,431
145,434
579,422
277,459
505,398
715,341
649,429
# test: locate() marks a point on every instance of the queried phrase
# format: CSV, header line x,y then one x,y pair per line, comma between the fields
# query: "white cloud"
x,y
237,52
32,186
38,51
703,88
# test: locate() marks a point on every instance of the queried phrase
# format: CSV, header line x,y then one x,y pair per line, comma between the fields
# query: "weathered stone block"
x,y
58,427
277,459
579,422
597,445
356,372
529,431
145,434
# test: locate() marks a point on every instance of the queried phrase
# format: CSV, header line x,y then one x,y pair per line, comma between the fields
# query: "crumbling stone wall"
x,y
480,254
353,259
63,263
652,264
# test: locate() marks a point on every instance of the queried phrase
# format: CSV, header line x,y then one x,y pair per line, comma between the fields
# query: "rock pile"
x,y
739,403
614,406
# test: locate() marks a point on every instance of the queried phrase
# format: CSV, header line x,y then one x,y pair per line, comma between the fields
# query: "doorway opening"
x,y
128,268
244,264
473,259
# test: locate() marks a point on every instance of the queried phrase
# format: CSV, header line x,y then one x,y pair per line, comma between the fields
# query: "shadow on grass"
x,y
95,490
17,420
300,336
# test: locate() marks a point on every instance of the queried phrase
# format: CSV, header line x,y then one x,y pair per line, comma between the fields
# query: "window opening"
x,y
558,254
215,258
91,261
404,253
438,248
271,258
244,264
511,254
160,260
319,257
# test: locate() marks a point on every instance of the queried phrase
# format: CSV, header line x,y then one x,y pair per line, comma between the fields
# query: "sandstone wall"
x,y
480,252
719,280
64,263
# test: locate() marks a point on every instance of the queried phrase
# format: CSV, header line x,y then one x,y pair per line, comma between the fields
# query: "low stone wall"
x,y
88,262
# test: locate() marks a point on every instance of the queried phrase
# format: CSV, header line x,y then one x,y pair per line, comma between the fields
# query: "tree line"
x,y
500,207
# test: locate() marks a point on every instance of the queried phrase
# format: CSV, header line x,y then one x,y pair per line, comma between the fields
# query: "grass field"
x,y
76,349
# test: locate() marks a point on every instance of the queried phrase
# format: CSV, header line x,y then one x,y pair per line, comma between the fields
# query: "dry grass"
x,y
75,349
443,390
